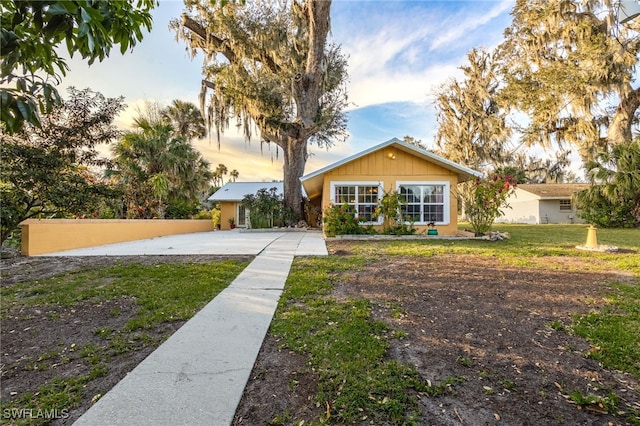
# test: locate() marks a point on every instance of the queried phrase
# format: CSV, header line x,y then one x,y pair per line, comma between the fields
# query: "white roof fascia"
x,y
393,141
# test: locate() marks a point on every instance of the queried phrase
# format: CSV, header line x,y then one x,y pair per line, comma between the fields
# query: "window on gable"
x,y
363,198
565,206
425,203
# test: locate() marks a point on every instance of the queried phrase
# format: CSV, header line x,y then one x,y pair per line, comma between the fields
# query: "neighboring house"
x,y
543,203
230,197
427,182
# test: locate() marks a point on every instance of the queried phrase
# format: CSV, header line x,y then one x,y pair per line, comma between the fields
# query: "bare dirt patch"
x,y
464,316
500,329
40,344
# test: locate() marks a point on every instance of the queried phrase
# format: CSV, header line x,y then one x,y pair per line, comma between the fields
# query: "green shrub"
x,y
203,214
180,210
598,210
613,200
392,221
340,219
486,201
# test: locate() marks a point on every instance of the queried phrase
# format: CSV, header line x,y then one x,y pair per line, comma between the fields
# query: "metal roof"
x,y
236,191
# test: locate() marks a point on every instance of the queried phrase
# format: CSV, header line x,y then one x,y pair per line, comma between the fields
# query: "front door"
x,y
242,216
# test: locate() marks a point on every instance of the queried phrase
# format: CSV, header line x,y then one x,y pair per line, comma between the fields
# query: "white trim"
x,y
241,222
446,202
379,184
441,161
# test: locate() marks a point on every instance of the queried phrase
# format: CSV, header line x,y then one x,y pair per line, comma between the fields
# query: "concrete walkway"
x,y
198,375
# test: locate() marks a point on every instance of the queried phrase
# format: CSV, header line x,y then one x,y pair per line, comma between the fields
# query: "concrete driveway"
x,y
215,242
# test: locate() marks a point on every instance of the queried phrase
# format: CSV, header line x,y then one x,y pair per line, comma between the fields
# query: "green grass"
x,y
615,330
527,245
348,349
163,293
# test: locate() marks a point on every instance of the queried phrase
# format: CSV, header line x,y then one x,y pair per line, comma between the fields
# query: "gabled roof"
x,y
553,191
235,191
312,182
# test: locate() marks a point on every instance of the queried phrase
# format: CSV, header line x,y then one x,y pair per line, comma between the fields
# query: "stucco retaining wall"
x,y
42,236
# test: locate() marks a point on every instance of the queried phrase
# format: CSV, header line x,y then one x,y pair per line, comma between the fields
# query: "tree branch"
x,y
220,45
208,40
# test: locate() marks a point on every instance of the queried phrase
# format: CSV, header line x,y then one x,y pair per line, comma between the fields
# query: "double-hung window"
x,y
425,202
363,197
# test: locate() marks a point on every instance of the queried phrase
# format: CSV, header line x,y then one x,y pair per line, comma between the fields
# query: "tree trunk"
x,y
307,90
619,131
295,158
308,85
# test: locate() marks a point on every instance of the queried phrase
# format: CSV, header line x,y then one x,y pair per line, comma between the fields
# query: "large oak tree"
x,y
570,67
269,64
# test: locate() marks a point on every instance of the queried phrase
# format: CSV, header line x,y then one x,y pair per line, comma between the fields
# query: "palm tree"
x,y
186,119
233,175
221,170
157,167
615,178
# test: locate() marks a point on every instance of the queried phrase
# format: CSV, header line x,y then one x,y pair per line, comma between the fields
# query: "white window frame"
x,y
242,214
446,199
564,207
356,184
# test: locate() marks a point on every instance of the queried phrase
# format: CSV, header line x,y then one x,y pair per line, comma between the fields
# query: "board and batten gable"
x,y
387,167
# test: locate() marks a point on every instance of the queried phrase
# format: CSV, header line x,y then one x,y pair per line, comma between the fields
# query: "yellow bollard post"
x,y
592,239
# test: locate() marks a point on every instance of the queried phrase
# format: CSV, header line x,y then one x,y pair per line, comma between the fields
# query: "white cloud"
x,y
457,27
397,86
399,53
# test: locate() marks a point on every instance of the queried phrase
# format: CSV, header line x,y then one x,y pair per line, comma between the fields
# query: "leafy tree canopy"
x,y
47,170
570,66
32,30
269,64
472,125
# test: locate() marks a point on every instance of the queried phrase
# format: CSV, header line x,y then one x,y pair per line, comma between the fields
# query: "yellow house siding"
x,y
227,211
389,166
389,162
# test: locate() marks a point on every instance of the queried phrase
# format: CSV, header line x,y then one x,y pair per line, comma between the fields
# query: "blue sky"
x,y
399,51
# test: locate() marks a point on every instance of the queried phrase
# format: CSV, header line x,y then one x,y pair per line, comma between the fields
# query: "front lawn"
x,y
68,339
441,331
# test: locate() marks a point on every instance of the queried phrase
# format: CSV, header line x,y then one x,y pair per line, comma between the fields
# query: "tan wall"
x,y
389,166
52,235
227,211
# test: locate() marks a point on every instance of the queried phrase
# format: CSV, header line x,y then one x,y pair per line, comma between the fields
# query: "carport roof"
x,y
236,191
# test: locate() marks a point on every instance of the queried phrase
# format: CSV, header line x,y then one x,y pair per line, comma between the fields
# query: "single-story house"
x,y
426,181
230,197
543,203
